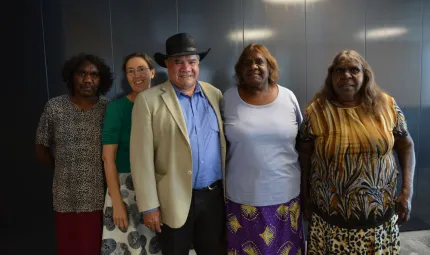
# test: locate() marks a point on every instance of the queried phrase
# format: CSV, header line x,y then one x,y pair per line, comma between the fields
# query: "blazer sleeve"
x,y
142,156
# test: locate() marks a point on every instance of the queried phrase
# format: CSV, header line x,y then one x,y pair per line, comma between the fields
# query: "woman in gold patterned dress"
x,y
349,171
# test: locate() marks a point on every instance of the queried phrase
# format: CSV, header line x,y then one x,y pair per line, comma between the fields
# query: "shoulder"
x,y
229,93
209,87
58,100
57,103
287,94
316,107
387,99
388,105
103,100
116,103
154,90
152,96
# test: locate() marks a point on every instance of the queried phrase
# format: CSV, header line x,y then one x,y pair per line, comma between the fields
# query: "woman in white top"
x,y
261,122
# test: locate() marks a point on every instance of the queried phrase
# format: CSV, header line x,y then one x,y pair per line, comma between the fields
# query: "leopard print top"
x,y
75,138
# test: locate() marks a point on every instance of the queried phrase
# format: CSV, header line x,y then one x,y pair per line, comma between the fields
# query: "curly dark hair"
x,y
70,67
142,55
271,63
370,93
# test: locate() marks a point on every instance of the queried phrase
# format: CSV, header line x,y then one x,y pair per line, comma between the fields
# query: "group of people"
x,y
187,166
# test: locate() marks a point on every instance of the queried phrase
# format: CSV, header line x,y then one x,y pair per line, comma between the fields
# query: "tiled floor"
x,y
412,243
415,242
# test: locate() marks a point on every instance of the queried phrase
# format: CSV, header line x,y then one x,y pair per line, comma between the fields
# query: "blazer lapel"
x,y
213,101
172,103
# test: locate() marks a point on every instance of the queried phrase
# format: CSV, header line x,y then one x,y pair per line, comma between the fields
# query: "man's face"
x,y
183,71
86,80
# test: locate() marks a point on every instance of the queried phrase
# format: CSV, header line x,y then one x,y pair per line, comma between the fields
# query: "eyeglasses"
x,y
140,69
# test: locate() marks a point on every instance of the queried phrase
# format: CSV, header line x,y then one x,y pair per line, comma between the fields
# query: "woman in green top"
x,y
123,229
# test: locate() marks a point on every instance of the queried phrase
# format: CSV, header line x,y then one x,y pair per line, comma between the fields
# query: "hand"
x,y
120,216
403,206
153,220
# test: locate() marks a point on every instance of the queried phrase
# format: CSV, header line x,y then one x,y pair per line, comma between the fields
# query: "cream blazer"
x,y
160,152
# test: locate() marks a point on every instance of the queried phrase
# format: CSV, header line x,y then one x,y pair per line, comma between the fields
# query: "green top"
x,y
116,130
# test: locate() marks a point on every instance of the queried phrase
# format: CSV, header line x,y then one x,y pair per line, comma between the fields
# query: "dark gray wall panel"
x,y
140,26
393,46
212,23
422,206
424,155
26,185
331,26
304,40
280,26
72,27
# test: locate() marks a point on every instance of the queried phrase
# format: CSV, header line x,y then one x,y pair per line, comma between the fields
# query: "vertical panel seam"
x,y
365,29
111,43
177,17
243,23
306,59
421,82
44,48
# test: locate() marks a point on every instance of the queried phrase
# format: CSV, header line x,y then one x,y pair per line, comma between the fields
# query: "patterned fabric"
x,y
274,229
330,239
354,173
137,239
75,137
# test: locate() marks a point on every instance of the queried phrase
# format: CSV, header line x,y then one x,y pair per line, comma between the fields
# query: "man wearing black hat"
x,y
177,153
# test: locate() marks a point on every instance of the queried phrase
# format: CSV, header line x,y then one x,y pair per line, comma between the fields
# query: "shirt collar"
x,y
198,90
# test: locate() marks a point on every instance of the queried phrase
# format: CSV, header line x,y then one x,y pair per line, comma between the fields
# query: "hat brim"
x,y
160,58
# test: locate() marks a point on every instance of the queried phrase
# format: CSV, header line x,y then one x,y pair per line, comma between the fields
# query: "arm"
x,y
404,146
142,163
44,156
306,149
44,138
305,145
119,211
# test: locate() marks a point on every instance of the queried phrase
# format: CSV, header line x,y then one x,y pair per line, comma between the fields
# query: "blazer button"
x,y
189,172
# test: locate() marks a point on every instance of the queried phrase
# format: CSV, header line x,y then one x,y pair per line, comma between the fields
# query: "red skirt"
x,y
79,233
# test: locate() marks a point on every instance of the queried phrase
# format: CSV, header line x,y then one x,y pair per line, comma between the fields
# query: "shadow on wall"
x,y
159,78
221,80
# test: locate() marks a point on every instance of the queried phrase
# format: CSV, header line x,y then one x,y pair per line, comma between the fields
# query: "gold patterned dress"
x,y
353,177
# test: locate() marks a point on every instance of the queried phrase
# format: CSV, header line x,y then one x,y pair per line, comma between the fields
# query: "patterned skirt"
x,y
274,229
330,239
137,239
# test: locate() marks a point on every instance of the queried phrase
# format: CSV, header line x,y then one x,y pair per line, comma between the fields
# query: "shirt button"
x,y
189,172
203,162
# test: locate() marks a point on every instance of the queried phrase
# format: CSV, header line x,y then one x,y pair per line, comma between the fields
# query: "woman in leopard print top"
x,y
68,139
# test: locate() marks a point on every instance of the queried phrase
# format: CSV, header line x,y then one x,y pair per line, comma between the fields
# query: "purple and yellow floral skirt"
x,y
261,230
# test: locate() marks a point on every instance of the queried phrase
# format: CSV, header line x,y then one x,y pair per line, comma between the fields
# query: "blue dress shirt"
x,y
203,132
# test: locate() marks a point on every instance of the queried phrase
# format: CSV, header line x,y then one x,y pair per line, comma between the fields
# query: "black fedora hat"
x,y
181,44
